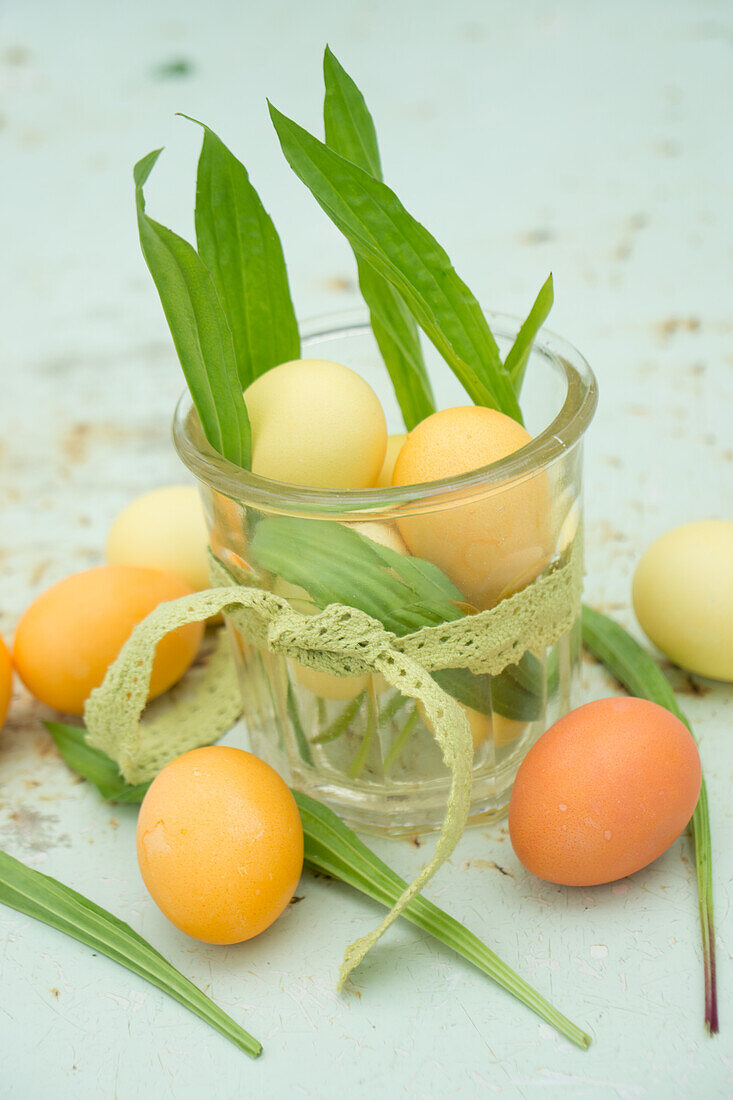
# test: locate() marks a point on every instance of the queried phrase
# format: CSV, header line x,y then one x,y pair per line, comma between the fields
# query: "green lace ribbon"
x,y
343,641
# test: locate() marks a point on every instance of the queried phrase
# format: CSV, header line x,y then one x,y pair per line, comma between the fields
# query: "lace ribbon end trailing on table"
x,y
343,641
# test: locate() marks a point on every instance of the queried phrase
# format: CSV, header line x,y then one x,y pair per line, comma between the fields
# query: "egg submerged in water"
x,y
604,792
496,543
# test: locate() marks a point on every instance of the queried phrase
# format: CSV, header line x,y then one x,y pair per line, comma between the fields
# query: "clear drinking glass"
x,y
354,742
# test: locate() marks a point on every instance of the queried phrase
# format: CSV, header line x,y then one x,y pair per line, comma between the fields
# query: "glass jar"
x,y
354,742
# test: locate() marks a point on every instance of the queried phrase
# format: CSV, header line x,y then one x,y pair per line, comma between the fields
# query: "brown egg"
x,y
604,792
498,542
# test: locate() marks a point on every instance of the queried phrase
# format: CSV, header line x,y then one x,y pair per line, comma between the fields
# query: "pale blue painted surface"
x,y
586,139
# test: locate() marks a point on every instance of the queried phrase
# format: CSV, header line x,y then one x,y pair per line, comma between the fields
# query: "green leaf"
x,y
48,900
350,132
633,667
93,764
199,329
332,848
518,357
239,245
383,234
336,564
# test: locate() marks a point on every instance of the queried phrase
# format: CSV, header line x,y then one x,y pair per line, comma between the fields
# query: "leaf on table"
x,y
241,249
386,236
57,905
639,673
350,132
94,765
199,329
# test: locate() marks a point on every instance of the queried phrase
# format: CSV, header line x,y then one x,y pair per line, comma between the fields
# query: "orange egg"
x,y
73,631
501,540
6,680
604,792
220,844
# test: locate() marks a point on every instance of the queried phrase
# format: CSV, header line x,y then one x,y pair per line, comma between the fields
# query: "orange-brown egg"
x,y
501,540
73,631
220,844
604,792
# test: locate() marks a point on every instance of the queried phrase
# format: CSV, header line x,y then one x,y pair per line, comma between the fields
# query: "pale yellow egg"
x,y
316,423
683,596
395,444
165,530
498,542
506,730
383,533
478,723
326,685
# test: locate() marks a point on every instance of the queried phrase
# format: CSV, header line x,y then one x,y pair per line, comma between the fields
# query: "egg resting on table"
x,y
220,844
683,596
6,680
604,792
498,542
164,529
73,631
316,423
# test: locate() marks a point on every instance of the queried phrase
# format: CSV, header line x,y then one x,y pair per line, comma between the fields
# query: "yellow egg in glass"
x,y
496,543
316,423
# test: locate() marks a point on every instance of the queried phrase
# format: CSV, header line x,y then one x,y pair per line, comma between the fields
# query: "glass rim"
x,y
555,440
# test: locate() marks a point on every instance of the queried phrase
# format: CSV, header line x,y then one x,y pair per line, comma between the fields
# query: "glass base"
x,y
397,814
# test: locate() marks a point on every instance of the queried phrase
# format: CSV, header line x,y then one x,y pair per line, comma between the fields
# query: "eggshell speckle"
x,y
497,543
317,423
683,596
73,631
220,844
604,792
165,530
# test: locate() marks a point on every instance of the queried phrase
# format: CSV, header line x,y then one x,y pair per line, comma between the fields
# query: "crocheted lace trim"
x,y
341,640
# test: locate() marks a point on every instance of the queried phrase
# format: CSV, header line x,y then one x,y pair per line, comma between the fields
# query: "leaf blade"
x,y
386,236
350,132
198,327
639,673
50,901
241,249
518,357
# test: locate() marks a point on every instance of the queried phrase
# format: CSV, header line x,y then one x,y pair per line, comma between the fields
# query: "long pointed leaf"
x,y
241,249
332,848
518,357
640,675
59,906
199,329
350,132
398,247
